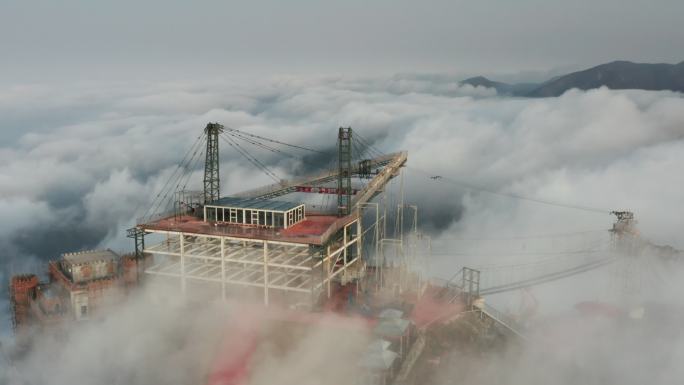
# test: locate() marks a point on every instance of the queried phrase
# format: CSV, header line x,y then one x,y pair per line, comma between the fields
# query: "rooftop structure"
x,y
89,256
84,266
254,212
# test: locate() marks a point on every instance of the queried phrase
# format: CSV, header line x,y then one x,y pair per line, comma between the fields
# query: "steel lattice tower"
x,y
138,235
211,164
345,169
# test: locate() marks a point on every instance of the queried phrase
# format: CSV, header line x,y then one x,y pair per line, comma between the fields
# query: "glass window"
x,y
211,213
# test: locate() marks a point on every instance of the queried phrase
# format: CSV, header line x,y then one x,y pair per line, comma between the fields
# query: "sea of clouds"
x,y
78,163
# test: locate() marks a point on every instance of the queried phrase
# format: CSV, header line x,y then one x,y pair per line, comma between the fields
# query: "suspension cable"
x,y
368,145
186,176
251,159
256,163
366,149
228,129
185,168
508,254
444,179
490,191
520,237
262,145
198,161
173,177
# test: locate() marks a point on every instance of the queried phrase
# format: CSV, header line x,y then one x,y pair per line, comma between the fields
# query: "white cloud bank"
x,y
113,145
78,163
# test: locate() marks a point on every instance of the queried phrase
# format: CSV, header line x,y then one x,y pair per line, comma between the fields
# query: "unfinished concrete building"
x,y
254,242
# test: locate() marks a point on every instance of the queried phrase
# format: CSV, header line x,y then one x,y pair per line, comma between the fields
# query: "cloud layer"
x,y
79,163
77,181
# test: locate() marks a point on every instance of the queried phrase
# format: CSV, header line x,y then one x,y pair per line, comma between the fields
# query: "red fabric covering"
x,y
430,309
240,341
231,365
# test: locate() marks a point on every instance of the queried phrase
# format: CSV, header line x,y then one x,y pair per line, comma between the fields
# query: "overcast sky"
x,y
98,40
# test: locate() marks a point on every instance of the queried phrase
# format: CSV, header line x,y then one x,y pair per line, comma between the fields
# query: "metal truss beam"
x,y
279,189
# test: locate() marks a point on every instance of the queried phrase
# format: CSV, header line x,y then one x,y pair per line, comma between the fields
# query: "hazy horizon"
x,y
167,40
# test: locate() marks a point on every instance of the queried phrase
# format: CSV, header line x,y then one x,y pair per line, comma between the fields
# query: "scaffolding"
x,y
271,265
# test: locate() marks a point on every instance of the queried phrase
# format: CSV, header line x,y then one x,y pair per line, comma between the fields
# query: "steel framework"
x,y
211,165
344,171
138,236
272,265
391,163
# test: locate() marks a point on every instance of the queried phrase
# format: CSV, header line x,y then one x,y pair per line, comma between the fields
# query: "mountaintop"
x,y
618,75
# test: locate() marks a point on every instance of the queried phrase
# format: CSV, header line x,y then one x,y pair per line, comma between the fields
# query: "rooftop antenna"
x,y
211,165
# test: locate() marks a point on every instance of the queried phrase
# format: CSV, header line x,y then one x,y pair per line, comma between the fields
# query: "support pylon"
x,y
345,169
211,164
138,236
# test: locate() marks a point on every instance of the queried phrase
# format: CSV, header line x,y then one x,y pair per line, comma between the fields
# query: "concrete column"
x,y
182,262
359,239
311,274
223,269
265,273
326,266
344,245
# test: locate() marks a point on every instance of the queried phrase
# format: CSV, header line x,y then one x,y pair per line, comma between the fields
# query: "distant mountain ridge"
x,y
618,75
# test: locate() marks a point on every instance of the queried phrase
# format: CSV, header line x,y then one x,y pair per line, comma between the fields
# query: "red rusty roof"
x,y
314,229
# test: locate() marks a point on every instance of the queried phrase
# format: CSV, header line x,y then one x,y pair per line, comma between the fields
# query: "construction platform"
x,y
303,258
251,240
311,230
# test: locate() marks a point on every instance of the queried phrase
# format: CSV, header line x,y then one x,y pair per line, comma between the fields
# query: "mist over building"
x,y
411,192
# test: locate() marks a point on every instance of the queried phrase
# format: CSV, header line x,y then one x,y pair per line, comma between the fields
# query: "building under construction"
x,y
258,241
275,247
269,244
